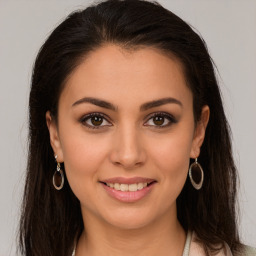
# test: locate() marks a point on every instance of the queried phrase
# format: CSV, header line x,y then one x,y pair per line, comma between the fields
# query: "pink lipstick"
x,y
128,189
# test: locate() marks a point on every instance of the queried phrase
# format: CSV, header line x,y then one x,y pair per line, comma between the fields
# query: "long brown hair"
x,y
51,219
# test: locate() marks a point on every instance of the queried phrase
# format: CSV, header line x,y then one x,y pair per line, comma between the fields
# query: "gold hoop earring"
x,y
196,175
58,177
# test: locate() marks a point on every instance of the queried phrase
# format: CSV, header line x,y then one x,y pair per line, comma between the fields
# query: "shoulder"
x,y
249,251
197,249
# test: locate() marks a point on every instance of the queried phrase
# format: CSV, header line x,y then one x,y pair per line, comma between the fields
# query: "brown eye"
x,y
95,121
158,120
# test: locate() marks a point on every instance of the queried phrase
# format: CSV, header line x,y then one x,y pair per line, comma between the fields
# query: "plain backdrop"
x,y
229,29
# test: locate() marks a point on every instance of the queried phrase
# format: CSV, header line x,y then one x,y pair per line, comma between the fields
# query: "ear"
x,y
199,133
54,136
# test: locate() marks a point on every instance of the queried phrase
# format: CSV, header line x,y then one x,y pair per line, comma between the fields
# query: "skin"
x,y
127,143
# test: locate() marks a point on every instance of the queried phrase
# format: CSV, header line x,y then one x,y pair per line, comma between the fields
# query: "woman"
x,y
126,130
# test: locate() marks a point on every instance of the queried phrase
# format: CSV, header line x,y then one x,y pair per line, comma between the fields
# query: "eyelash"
x,y
91,115
170,118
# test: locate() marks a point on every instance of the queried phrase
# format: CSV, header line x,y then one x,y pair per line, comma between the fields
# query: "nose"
x,y
127,148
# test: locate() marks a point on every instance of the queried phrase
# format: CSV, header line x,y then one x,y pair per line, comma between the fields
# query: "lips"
x,y
128,189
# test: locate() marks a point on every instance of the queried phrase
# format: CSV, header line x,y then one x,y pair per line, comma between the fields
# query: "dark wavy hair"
x,y
51,219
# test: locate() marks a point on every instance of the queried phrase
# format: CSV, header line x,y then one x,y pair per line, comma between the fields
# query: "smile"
x,y
127,187
128,190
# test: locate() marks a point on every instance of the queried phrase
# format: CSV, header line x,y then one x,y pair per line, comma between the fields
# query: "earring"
x,y
196,175
58,177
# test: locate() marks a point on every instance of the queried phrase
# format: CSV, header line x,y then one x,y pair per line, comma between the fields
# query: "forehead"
x,y
114,73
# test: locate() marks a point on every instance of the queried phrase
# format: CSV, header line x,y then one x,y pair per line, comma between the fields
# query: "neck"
x,y
163,237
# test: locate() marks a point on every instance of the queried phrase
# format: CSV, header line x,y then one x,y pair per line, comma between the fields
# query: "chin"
x,y
130,219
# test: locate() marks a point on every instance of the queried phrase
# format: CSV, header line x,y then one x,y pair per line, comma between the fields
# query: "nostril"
x,y
128,163
117,163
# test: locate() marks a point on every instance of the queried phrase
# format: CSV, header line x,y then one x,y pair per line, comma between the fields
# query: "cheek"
x,y
83,157
172,156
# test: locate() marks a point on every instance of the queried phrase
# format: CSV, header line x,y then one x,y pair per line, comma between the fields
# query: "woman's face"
x,y
126,119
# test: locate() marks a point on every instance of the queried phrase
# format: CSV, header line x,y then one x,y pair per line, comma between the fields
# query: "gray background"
x,y
229,29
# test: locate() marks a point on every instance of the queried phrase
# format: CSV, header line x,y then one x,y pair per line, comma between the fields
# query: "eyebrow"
x,y
97,102
160,102
144,107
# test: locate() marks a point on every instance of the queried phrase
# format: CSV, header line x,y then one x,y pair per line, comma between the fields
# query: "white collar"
x,y
185,251
191,248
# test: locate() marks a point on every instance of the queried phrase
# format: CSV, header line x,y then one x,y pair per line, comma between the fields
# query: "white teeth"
x,y
125,187
140,186
117,186
133,187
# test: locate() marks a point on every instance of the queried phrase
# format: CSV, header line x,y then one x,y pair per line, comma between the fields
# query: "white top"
x,y
193,248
